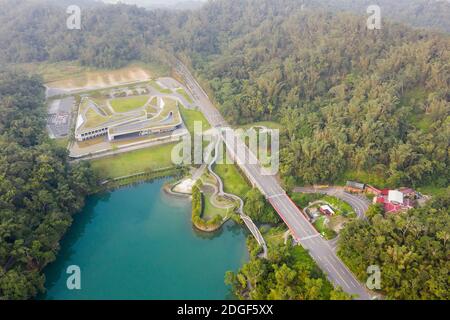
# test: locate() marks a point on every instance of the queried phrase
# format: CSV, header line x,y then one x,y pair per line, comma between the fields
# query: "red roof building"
x,y
394,206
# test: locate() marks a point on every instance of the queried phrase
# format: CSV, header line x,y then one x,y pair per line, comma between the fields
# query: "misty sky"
x,y
152,2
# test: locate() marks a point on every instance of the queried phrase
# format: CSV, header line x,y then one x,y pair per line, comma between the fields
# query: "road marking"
x,y
276,195
337,272
309,237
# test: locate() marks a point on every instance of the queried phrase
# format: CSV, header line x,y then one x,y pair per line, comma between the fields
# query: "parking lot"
x,y
59,117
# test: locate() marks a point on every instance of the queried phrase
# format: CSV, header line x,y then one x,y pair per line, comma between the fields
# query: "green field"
x,y
190,116
210,211
128,103
274,236
320,225
129,163
155,85
233,181
62,142
182,92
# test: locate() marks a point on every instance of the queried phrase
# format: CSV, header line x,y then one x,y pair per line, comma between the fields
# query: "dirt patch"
x,y
102,79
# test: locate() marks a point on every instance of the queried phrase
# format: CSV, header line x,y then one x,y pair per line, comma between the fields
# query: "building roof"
x,y
356,185
395,196
327,208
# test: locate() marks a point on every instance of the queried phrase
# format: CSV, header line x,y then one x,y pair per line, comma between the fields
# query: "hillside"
x,y
351,99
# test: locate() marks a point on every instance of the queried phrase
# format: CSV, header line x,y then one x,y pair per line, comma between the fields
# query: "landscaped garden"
x,y
233,181
327,223
183,92
156,85
209,210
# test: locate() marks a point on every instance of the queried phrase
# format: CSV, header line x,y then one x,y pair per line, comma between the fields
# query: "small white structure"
x,y
395,196
326,209
185,186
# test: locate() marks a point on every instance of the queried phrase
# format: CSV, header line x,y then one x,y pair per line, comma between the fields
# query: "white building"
x,y
395,196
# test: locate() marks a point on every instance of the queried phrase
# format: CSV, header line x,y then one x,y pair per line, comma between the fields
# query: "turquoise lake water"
x,y
138,243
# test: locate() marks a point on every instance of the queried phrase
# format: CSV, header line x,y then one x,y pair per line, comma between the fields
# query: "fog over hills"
x,y
176,4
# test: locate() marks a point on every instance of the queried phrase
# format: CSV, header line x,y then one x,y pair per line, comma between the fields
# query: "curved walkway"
x,y
247,220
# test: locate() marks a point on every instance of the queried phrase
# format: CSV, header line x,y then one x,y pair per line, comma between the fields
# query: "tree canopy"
x,y
39,190
411,249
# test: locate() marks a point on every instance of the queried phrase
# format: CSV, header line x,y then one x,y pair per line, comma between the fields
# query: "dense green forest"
x,y
289,273
411,249
39,191
110,36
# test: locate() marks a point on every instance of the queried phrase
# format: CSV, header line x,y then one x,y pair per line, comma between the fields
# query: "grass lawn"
x,y
62,142
210,211
143,160
341,207
323,229
155,85
189,116
182,92
93,119
233,181
56,71
128,103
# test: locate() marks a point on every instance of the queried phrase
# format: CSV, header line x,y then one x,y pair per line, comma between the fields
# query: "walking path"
x,y
247,220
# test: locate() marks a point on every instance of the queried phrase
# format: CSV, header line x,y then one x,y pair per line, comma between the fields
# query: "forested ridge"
x,y
350,98
39,190
110,36
432,14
